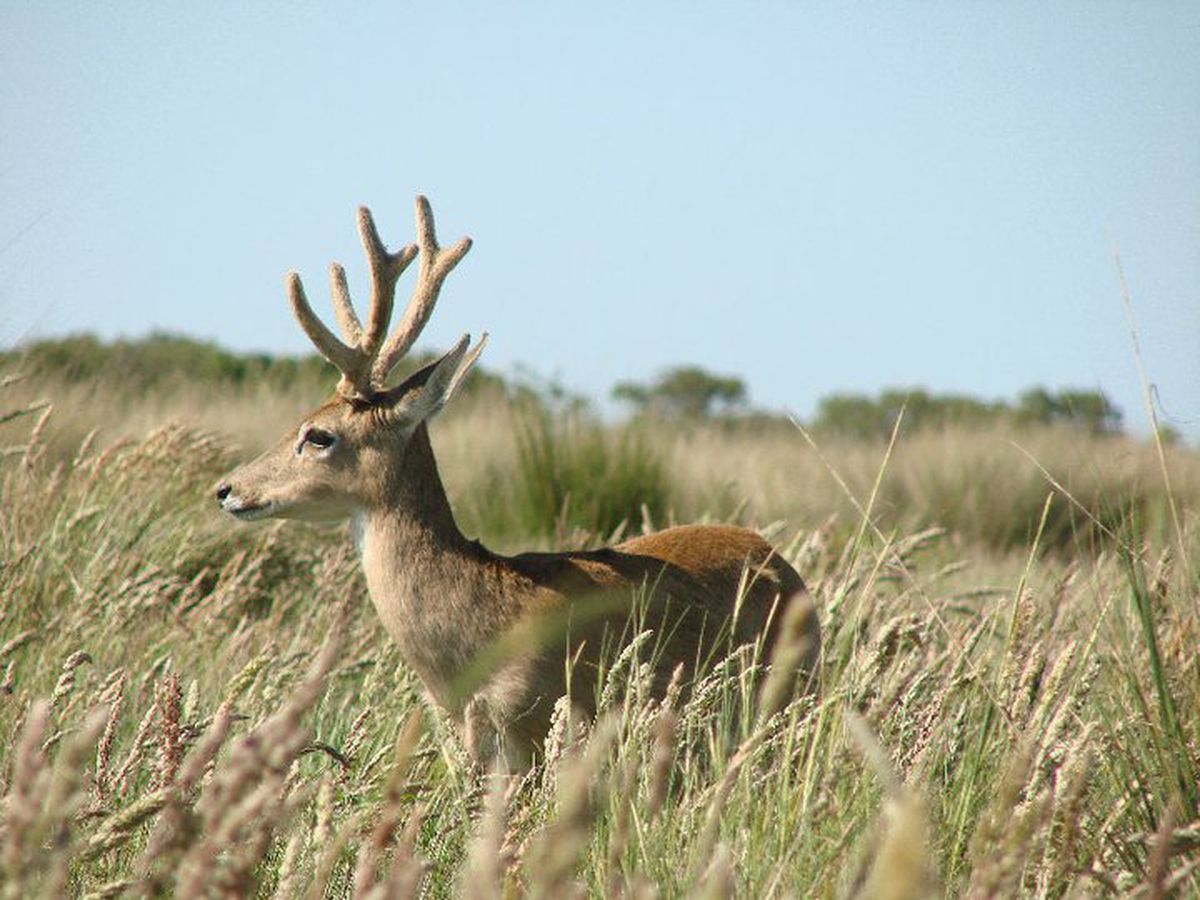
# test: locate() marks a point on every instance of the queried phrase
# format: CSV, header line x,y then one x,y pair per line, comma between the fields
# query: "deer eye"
x,y
319,438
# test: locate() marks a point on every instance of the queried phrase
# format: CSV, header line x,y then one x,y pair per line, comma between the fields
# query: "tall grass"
x,y
193,708
513,470
571,475
987,487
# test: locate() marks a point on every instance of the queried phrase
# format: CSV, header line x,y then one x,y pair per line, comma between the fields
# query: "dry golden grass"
x,y
986,487
197,709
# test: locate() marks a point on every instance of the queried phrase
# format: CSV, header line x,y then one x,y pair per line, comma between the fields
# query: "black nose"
x,y
223,492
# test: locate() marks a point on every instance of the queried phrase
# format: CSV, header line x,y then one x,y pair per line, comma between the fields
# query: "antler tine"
x,y
436,264
350,361
342,307
386,269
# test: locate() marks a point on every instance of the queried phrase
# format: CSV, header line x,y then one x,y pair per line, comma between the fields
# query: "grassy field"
x,y
191,707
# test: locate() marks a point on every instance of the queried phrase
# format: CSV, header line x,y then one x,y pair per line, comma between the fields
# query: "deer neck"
x,y
414,506
429,584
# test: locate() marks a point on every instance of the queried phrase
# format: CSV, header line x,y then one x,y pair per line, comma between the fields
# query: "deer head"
x,y
349,454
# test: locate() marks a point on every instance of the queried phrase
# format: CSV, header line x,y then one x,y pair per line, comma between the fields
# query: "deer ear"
x,y
427,390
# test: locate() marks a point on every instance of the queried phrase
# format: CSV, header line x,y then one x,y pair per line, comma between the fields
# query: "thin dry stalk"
x,y
393,811
555,853
1067,824
792,649
36,448
135,751
12,645
1160,855
25,800
290,868
718,798
487,862
408,870
123,824
622,824
1001,843
63,800
900,866
178,825
323,826
168,698
356,735
331,851
662,760
113,698
66,681
719,881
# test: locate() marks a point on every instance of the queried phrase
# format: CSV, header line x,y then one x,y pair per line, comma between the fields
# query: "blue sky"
x,y
815,197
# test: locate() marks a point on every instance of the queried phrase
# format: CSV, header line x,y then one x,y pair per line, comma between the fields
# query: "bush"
x,y
572,472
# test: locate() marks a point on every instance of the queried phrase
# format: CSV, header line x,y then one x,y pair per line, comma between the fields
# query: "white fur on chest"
x,y
436,609
409,599
382,582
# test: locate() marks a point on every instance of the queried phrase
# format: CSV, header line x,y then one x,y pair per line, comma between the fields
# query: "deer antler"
x,y
363,358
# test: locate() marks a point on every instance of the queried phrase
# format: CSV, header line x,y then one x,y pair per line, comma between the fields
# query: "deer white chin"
x,y
247,512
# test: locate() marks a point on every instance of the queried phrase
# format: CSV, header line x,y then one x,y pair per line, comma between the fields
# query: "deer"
x,y
496,640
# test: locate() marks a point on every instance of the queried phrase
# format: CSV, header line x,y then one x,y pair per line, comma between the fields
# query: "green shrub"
x,y
573,472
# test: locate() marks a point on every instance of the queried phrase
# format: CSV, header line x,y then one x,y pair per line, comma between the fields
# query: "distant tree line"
x,y
166,360
689,392
682,393
861,416
160,360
